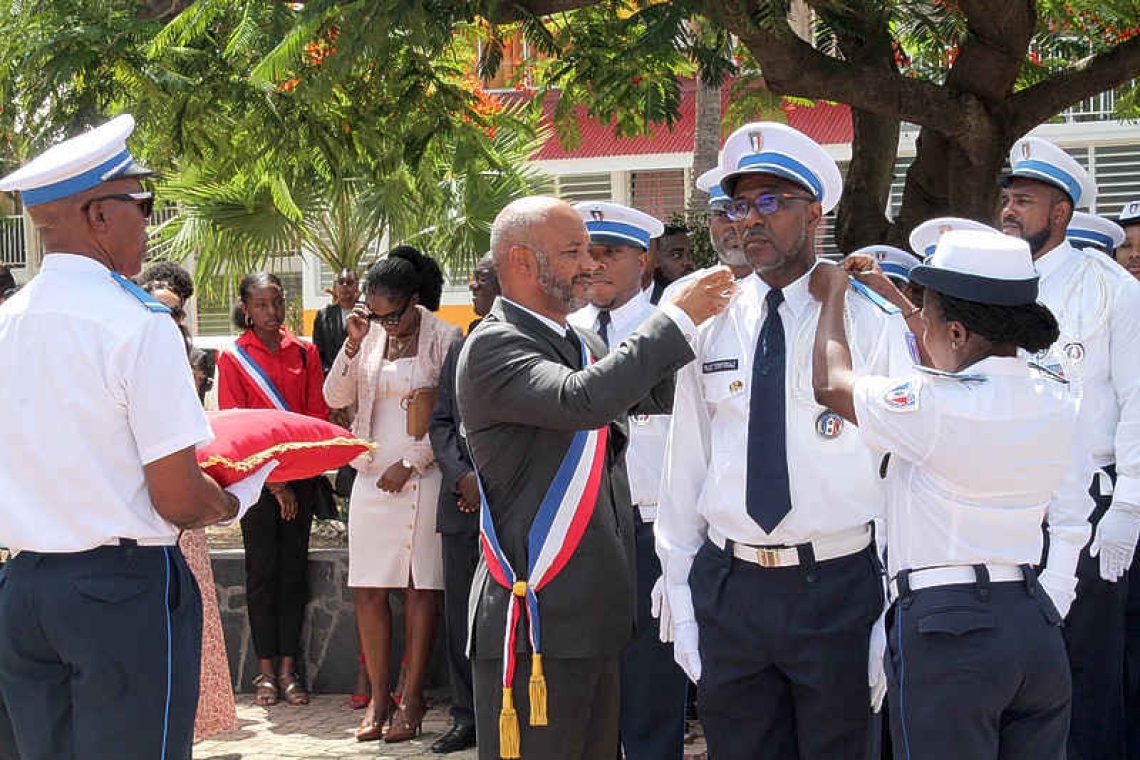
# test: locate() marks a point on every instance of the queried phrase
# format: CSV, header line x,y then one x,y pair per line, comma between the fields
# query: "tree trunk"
x,y
706,142
860,218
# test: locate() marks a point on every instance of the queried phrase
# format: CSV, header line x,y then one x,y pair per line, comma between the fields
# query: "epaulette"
x,y
959,376
146,299
883,304
1051,374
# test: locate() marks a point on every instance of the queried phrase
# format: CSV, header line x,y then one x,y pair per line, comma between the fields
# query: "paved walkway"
x,y
324,730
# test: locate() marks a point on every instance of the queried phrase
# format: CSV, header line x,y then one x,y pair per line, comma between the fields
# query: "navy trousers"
x,y
1094,637
653,686
100,653
977,671
1132,659
784,655
460,556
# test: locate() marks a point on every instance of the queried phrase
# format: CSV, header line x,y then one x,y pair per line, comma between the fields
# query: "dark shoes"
x,y
461,736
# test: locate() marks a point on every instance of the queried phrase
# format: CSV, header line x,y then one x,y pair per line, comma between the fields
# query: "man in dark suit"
x,y
328,327
523,396
457,521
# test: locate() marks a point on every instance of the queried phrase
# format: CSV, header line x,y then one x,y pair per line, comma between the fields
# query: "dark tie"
x,y
604,327
575,347
768,497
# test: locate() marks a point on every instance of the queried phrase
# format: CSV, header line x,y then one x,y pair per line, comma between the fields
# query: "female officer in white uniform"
x,y
981,453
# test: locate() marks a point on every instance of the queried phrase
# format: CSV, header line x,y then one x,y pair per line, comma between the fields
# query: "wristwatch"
x,y
408,465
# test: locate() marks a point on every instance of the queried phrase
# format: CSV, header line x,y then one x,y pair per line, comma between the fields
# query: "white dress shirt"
x,y
835,484
95,387
1097,305
977,466
647,433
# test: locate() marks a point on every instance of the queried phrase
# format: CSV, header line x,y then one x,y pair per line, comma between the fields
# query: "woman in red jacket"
x,y
267,367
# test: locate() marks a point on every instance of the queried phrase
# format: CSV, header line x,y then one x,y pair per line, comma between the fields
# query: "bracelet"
x,y
350,348
912,312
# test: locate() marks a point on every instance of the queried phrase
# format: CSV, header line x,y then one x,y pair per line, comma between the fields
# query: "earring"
x,y
249,322
954,345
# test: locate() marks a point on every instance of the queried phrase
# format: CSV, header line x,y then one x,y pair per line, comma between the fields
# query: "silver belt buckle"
x,y
768,557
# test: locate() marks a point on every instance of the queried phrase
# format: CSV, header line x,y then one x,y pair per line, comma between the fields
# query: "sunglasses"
x,y
767,204
392,318
145,201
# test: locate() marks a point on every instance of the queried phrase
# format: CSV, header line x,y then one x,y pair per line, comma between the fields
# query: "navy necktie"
x,y
768,497
604,327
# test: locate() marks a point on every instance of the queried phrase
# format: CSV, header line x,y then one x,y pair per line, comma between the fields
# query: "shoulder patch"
x,y
902,397
146,299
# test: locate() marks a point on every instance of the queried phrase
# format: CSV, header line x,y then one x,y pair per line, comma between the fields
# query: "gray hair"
x,y
514,224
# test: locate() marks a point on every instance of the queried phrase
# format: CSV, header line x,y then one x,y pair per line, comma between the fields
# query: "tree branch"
x,y
507,11
991,55
1088,77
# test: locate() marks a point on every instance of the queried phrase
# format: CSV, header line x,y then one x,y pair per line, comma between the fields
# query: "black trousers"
x,y
784,655
978,671
653,686
100,653
276,570
583,698
1094,636
1132,659
460,556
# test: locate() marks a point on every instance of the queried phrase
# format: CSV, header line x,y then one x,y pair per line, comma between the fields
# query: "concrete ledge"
x,y
329,655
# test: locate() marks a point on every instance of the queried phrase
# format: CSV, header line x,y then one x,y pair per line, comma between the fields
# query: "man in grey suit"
x,y
523,395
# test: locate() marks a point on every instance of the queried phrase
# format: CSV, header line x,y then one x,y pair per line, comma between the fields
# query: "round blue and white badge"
x,y
828,424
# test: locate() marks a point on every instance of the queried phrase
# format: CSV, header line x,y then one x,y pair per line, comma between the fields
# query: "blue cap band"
x,y
1092,238
898,270
78,182
716,194
783,166
622,233
1044,172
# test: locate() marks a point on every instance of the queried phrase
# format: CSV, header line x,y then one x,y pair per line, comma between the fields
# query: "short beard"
x,y
732,257
561,292
1036,241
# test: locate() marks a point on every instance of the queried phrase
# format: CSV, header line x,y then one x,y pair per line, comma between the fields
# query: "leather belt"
x,y
954,576
832,546
648,512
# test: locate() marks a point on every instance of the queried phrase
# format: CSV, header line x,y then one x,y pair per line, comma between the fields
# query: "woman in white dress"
x,y
395,346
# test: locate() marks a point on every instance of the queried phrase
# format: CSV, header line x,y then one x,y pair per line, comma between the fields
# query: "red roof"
x,y
825,123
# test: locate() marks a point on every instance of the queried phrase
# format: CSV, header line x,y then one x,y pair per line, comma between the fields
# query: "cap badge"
x,y
1026,149
880,255
597,214
757,140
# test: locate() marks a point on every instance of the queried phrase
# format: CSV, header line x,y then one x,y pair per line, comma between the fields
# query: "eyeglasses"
x,y
145,201
767,204
392,318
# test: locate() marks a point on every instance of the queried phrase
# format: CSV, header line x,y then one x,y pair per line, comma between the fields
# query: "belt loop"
x,y
902,583
807,561
730,552
982,582
1030,578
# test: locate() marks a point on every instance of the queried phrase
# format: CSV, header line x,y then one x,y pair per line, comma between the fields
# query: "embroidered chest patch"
x,y
720,365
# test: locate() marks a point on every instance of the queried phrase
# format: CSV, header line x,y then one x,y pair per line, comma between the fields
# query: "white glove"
x,y
1061,590
876,671
248,490
1115,540
685,649
659,608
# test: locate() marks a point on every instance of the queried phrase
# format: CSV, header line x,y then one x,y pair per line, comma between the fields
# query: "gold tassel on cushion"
x,y
508,728
537,691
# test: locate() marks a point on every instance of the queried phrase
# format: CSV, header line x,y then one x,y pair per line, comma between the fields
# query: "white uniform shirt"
x,y
647,433
835,485
94,386
1097,305
975,466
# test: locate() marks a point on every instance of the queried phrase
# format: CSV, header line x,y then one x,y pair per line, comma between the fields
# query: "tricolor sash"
x,y
258,377
554,536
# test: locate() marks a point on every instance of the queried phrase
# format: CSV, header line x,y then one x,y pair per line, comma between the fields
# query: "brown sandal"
x,y
294,692
407,723
373,731
266,694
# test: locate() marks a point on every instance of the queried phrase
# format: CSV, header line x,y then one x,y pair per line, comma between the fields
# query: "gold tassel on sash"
x,y
508,728
537,691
